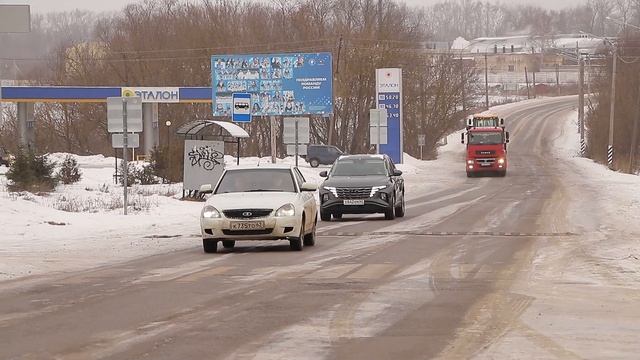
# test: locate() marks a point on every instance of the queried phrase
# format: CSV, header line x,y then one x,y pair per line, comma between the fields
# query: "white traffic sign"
x,y
422,140
117,141
289,130
378,116
378,127
115,114
373,135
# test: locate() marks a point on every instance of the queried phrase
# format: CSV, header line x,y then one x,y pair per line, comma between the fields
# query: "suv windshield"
x,y
359,167
485,138
255,180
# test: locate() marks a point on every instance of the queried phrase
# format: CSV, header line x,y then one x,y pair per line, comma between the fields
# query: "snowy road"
x,y
480,268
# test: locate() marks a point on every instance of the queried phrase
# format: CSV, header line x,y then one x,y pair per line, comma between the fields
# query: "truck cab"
x,y
486,140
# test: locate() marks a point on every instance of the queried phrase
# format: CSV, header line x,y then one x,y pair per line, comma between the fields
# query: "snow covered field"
x,y
81,225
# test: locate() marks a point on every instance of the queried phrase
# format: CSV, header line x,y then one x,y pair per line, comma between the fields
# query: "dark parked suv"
x,y
362,184
322,154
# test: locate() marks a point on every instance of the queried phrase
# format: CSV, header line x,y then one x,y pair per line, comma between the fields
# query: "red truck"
x,y
486,140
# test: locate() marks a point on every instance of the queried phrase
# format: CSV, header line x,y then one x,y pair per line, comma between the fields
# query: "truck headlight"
x,y
286,210
470,162
501,161
209,212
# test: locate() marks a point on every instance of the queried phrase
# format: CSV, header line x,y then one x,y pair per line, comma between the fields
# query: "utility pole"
x,y
535,95
581,106
526,79
612,109
558,79
486,80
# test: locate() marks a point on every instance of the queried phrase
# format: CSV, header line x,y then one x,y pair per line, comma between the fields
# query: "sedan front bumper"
x,y
275,228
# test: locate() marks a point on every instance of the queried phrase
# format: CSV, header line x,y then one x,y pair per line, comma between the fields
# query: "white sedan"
x,y
259,203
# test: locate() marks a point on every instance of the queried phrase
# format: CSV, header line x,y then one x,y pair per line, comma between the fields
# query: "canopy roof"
x,y
194,127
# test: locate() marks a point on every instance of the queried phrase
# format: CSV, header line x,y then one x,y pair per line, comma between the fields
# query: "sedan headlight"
x,y
332,190
375,189
209,212
286,210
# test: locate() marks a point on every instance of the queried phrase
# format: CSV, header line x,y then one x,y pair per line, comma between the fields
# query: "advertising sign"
x,y
279,84
389,96
153,94
203,163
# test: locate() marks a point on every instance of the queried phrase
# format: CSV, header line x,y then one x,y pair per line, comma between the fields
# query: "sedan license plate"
x,y
247,225
353,202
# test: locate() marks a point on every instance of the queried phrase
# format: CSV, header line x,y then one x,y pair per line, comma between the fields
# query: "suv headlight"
x,y
209,212
332,190
286,210
375,189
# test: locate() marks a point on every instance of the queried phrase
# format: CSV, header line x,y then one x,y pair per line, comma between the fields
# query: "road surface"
x,y
435,284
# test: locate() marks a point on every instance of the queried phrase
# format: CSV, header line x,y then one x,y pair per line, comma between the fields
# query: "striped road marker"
x,y
610,156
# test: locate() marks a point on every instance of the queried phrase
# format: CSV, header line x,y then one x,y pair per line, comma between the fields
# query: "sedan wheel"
x,y
210,246
310,239
297,244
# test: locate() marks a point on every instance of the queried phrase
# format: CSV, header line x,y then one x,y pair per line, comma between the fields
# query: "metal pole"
x,y
634,137
612,109
238,154
125,171
486,81
273,139
378,128
535,95
421,147
296,139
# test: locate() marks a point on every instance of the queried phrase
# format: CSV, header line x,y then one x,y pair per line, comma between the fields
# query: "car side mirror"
x,y
462,138
507,137
206,189
397,172
308,187
323,174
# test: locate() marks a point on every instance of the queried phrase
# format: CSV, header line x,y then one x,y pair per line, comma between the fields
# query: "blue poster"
x,y
279,84
391,102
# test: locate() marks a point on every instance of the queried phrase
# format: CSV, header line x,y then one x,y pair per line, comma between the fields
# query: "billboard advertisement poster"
x,y
279,84
389,96
203,163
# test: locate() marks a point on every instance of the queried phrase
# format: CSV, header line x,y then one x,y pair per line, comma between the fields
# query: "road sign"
x,y
378,131
117,141
241,107
291,150
422,140
115,114
281,84
289,130
15,19
373,135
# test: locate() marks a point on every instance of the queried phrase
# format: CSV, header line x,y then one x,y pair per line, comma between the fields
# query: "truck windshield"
x,y
485,138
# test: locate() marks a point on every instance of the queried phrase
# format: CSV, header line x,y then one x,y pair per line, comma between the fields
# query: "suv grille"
x,y
354,193
247,213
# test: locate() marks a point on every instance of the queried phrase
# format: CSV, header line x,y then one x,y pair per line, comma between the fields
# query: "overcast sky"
x,y
106,5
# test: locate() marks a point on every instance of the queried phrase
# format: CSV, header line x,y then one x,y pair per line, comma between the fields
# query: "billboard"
x,y
279,84
389,97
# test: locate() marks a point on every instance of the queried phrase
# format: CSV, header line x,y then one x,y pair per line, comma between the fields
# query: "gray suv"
x,y
322,154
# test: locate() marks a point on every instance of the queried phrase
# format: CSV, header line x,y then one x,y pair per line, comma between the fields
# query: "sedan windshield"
x,y
256,180
359,167
485,138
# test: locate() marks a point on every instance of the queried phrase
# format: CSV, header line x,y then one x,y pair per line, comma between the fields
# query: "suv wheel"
x,y
325,216
390,213
314,162
400,210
